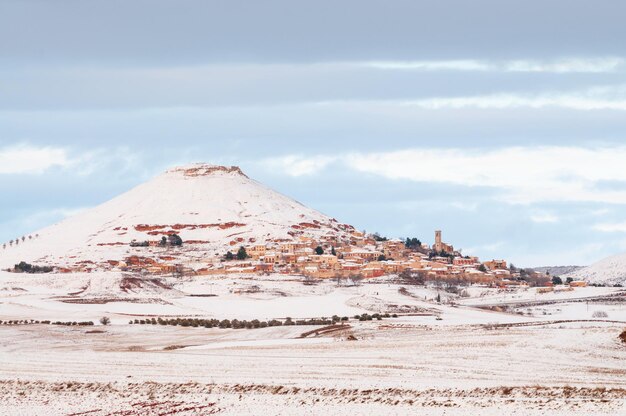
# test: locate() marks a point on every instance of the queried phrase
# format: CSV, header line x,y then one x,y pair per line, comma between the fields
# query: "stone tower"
x,y
438,243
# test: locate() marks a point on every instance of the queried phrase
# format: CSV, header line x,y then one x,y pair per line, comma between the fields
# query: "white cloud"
x,y
593,65
595,98
29,159
521,175
559,66
465,206
294,165
619,227
455,65
21,158
524,174
544,217
585,100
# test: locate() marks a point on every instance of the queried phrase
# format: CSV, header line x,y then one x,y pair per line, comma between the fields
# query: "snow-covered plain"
x,y
452,358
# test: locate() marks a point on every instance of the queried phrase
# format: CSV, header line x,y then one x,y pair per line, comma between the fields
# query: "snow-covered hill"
x,y
556,270
610,271
213,209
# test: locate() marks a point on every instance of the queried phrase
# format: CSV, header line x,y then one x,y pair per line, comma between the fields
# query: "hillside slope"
x,y
610,271
213,208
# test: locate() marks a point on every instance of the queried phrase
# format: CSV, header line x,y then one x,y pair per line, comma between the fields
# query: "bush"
x,y
23,267
600,314
84,323
105,320
623,336
241,253
175,240
413,243
255,323
139,243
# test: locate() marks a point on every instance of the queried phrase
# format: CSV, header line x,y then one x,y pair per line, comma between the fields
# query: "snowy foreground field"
x,y
486,352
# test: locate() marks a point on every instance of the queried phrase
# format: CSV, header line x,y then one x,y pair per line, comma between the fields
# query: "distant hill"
x,y
610,271
557,270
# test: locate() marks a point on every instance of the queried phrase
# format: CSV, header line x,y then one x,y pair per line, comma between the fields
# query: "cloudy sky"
x,y
502,123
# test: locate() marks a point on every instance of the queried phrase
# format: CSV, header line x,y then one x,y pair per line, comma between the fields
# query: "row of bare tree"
x,y
17,241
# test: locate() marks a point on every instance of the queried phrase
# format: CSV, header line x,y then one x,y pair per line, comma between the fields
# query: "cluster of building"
x,y
363,256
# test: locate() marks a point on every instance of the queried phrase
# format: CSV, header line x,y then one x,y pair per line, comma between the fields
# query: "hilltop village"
x,y
362,256
174,224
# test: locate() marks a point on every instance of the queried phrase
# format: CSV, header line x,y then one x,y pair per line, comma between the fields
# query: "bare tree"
x,y
338,278
356,279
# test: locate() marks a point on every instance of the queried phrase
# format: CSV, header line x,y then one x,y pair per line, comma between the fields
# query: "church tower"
x,y
438,245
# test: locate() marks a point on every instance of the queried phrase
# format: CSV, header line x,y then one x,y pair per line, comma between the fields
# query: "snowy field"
x,y
461,356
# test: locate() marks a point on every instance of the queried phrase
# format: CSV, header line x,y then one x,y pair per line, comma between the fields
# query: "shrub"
x,y
23,267
105,320
412,243
175,240
623,336
139,243
241,253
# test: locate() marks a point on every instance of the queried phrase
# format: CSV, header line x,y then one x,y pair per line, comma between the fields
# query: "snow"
x,y
398,368
610,271
481,351
451,356
215,206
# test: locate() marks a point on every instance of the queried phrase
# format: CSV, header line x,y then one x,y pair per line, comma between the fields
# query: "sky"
x,y
501,123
